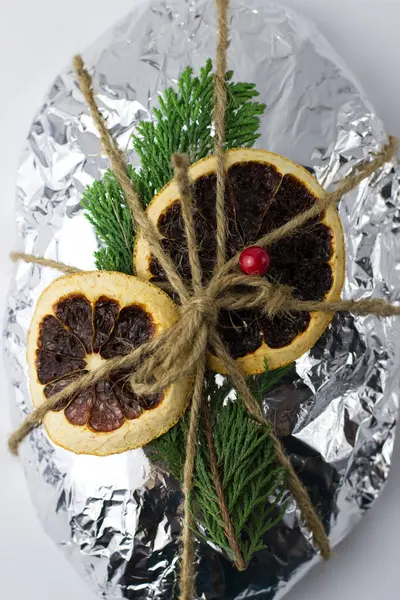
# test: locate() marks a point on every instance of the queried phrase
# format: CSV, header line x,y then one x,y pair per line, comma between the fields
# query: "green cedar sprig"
x,y
183,123
111,219
253,481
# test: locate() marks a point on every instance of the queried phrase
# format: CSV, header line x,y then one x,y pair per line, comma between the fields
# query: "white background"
x,y
37,39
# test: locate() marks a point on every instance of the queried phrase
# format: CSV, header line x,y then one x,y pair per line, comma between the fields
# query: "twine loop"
x,y
254,292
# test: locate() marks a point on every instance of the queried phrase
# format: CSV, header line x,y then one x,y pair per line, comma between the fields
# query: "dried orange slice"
x,y
81,321
264,190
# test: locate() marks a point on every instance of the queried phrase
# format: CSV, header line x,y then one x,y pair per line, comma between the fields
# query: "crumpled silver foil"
x,y
117,518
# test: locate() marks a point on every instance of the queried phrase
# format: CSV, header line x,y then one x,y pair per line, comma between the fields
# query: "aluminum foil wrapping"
x,y
117,518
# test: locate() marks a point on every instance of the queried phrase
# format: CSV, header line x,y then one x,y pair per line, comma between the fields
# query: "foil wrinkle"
x,y
118,518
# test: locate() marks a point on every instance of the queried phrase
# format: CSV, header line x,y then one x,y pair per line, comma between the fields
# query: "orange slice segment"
x,y
80,322
264,190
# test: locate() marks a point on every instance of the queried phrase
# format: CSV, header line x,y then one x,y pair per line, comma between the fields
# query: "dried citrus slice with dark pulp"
x,y
264,191
80,322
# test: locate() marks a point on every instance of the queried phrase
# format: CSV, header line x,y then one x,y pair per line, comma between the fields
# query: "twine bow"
x,y
182,350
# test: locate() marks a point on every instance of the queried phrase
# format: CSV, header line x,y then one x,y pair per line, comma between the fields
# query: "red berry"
x,y
254,260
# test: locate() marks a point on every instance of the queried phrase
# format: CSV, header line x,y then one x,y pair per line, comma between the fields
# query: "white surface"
x,y
37,39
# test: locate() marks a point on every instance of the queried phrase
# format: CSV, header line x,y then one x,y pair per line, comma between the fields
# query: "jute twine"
x,y
182,350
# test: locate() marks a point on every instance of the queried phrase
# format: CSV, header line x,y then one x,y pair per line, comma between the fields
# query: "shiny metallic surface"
x,y
118,518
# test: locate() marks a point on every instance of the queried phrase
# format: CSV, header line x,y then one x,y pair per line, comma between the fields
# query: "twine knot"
x,y
202,307
274,298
